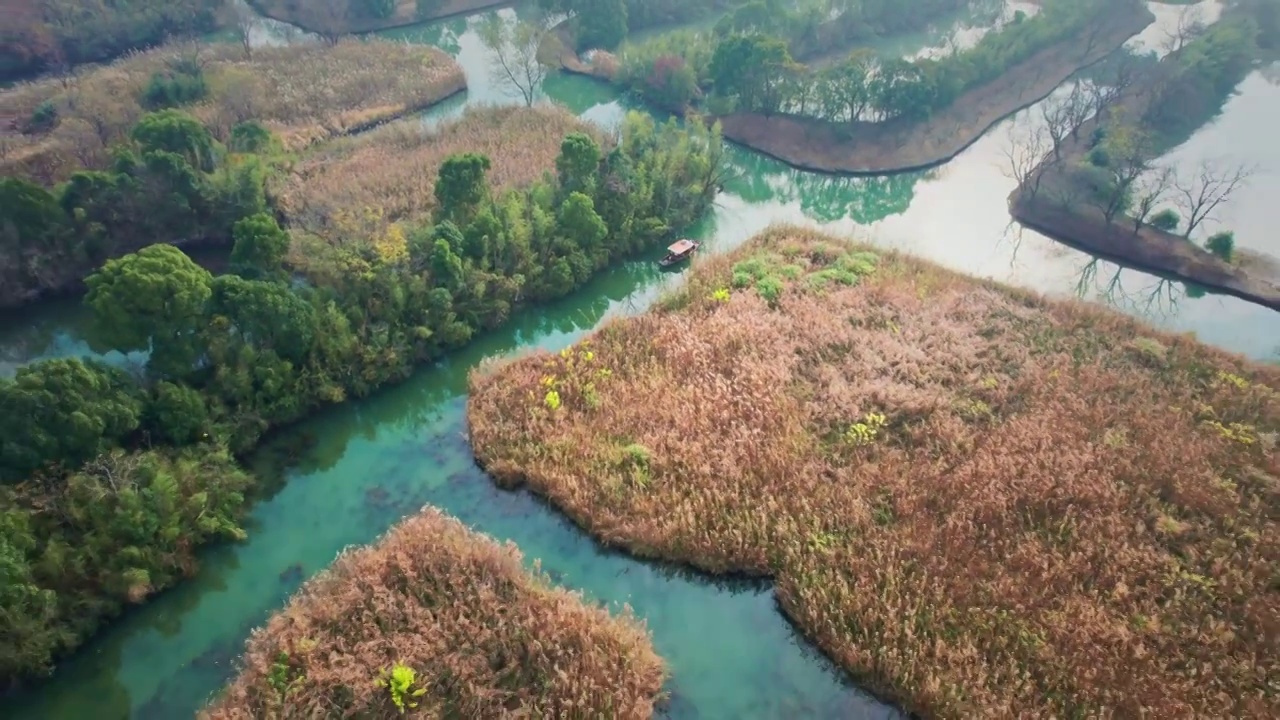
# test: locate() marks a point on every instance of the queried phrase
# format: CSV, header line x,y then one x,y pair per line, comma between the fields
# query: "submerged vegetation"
x,y
967,494
442,622
234,355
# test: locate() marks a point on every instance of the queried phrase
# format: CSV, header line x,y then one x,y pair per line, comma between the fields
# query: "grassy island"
x,y
852,111
302,93
391,172
976,500
461,625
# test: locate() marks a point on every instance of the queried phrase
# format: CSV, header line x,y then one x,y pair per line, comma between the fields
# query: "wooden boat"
x,y
679,251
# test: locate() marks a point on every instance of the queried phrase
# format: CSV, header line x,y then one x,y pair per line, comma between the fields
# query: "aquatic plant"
x,y
1064,521
459,628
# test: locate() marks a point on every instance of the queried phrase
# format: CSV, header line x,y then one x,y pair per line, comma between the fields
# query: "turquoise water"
x,y
344,476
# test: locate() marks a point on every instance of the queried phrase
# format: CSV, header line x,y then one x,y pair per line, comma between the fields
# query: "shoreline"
x,y
453,9
896,146
899,146
1148,249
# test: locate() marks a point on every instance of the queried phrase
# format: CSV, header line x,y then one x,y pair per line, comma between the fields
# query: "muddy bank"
x,y
406,14
1149,249
903,145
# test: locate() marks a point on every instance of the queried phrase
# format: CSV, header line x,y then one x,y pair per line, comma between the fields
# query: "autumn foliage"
x,y
484,637
979,502
304,93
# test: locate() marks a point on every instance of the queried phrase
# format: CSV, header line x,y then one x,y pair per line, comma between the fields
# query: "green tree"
x,y
268,316
753,68
63,411
1223,245
152,299
29,612
602,24
578,221
446,267
176,414
179,133
461,187
578,163
259,249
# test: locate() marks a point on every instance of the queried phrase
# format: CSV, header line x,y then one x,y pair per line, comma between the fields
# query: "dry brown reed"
x,y
391,172
305,93
486,638
979,502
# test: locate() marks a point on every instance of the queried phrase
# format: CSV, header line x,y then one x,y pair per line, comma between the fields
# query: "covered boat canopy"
x,y
680,247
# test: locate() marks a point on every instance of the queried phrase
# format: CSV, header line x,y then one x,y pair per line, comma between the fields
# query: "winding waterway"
x,y
345,475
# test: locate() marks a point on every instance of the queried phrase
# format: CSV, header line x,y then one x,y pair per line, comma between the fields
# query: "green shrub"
x,y
1223,245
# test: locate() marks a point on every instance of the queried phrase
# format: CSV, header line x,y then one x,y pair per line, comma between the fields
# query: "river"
x,y
345,475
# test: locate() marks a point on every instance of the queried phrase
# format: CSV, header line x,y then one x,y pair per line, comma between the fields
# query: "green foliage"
x,y
380,9
173,131
63,411
182,84
122,528
153,299
1166,220
753,68
259,249
461,186
1223,245
249,137
747,59
233,356
166,185
578,164
44,118
177,414
602,24
399,685
867,430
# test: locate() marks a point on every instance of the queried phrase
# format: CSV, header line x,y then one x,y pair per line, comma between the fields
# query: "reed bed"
x,y
484,637
305,93
979,502
390,173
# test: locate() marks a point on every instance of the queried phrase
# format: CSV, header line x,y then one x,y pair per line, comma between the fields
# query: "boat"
x,y
679,251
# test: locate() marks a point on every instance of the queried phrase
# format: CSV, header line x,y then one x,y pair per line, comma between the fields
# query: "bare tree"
x,y
1198,195
328,18
1063,117
1150,189
240,18
515,53
1122,77
1027,154
1190,26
